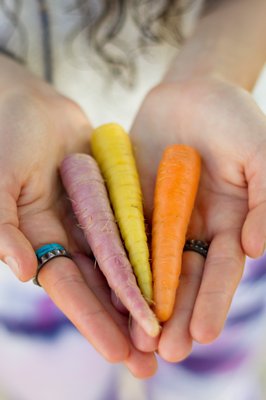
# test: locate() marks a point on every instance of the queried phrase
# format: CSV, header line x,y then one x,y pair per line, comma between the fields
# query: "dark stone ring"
x,y
198,246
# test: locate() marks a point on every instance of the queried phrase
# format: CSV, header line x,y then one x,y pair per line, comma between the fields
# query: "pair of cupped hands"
x,y
39,127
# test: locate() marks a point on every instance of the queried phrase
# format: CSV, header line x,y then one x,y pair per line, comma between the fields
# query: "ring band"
x,y
199,246
47,253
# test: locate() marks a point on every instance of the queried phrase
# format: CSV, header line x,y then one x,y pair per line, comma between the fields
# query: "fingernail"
x,y
13,265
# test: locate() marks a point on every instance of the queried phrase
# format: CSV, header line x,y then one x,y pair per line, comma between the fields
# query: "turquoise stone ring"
x,y
46,253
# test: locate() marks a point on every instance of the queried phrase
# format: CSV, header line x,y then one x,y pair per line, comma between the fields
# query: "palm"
x,y
36,210
225,143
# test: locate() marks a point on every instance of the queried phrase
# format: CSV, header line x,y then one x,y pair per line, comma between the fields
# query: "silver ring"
x,y
199,246
47,253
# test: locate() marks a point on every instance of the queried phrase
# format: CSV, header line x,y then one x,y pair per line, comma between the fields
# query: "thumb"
x,y
254,228
15,250
254,231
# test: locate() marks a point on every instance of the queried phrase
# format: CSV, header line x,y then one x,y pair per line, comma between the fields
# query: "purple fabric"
x,y
47,322
213,364
33,328
234,346
247,315
112,388
255,270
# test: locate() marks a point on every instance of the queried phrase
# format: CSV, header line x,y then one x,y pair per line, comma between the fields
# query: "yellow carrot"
x,y
111,147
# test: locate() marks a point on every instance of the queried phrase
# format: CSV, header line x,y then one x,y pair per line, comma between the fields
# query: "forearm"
x,y
229,42
16,77
11,71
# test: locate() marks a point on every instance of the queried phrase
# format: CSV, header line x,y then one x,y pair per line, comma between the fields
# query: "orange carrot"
x,y
175,192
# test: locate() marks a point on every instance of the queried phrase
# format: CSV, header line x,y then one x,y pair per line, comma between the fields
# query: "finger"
x,y
66,286
97,282
15,249
176,341
141,364
222,273
254,227
141,340
254,232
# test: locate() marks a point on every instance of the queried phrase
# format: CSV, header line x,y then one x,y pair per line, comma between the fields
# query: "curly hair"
x,y
102,23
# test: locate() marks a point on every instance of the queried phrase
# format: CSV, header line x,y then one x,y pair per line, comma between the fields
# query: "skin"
x,y
35,210
204,100
231,183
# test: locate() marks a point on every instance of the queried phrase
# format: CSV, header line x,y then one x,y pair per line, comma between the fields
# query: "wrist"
x,y
15,75
221,48
191,92
183,105
16,78
210,69
7,53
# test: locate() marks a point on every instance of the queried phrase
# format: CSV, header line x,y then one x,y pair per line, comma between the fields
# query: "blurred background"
x,y
44,358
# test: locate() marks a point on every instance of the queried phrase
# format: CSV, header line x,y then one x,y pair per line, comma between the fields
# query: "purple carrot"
x,y
85,186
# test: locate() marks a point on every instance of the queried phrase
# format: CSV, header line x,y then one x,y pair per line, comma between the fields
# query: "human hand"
x,y
228,129
39,127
